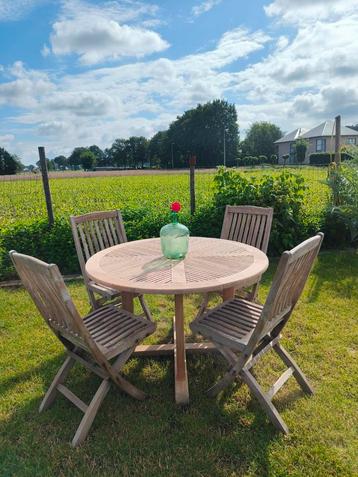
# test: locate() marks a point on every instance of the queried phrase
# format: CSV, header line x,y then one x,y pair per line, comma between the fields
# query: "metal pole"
x,y
192,162
224,149
46,185
337,148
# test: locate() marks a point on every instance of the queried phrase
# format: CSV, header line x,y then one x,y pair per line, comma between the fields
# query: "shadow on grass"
x,y
152,438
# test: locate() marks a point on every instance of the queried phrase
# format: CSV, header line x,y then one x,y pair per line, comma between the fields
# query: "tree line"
x,y
210,132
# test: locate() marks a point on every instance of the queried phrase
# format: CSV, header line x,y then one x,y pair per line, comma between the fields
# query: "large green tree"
x,y
87,160
160,150
260,139
60,161
74,159
209,131
9,164
99,154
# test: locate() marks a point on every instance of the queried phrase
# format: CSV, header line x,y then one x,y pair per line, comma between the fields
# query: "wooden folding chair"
x,y
251,225
92,233
244,331
102,341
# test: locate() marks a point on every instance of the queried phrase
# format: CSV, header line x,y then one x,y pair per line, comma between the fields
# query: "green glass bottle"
x,y
174,237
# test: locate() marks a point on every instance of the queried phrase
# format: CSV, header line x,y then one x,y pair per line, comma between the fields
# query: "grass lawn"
x,y
229,436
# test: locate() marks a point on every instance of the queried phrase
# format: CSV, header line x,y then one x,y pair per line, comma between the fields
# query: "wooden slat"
x,y
279,383
72,397
168,349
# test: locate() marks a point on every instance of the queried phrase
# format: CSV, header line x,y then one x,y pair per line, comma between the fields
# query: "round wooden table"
x,y
210,265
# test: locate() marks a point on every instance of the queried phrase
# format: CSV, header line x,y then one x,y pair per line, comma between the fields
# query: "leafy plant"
x,y
284,192
343,181
301,146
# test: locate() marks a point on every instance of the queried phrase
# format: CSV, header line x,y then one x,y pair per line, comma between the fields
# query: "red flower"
x,y
175,207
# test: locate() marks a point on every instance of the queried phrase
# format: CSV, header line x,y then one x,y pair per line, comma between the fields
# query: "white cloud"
x,y
99,40
309,11
27,86
204,7
6,140
11,10
302,78
97,34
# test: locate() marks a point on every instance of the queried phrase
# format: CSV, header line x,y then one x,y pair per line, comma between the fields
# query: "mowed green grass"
x,y
23,201
227,436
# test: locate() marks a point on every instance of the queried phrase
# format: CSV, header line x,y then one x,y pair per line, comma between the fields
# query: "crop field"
x,y
22,201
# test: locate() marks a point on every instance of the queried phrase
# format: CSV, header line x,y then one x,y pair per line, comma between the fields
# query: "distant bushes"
x,y
325,158
257,160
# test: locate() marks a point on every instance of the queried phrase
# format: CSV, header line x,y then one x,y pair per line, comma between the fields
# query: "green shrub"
x,y
324,158
343,181
55,244
284,192
256,161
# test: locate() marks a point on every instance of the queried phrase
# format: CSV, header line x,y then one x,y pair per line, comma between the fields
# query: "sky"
x,y
77,73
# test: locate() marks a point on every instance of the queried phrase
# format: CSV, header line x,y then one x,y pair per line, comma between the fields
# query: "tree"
x,y
60,161
99,154
87,160
159,150
117,153
200,131
260,139
136,149
9,164
51,165
74,159
301,146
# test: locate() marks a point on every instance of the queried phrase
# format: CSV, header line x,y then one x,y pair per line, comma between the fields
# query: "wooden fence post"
x,y
337,152
46,185
192,162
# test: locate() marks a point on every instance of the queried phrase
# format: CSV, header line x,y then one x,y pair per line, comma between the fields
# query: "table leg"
x,y
127,301
181,378
228,294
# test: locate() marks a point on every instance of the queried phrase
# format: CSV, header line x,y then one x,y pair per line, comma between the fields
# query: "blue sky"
x,y
76,72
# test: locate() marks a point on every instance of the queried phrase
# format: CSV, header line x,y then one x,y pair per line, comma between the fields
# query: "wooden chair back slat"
x,y
46,287
288,283
96,231
248,224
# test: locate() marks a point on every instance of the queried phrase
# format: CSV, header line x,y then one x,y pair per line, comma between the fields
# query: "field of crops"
x,y
22,201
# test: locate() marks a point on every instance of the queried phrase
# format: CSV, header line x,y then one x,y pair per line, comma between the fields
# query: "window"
x,y
351,140
320,145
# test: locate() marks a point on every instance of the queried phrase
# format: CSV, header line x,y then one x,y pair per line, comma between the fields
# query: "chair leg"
x,y
58,379
265,402
90,414
122,383
298,373
227,379
203,306
145,308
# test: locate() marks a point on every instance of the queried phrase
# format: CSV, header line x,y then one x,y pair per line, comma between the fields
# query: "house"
x,y
320,139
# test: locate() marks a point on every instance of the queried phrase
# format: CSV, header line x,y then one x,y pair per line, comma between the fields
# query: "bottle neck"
x,y
174,217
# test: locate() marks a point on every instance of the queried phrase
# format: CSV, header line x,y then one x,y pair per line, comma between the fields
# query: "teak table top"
x,y
210,265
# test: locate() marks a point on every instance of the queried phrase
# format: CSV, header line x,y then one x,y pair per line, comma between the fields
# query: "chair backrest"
x,y
46,287
288,283
248,224
96,231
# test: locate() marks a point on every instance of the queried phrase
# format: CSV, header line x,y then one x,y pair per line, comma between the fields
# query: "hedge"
x,y
324,158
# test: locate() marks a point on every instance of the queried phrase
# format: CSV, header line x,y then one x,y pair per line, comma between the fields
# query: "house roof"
x,y
328,128
291,136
